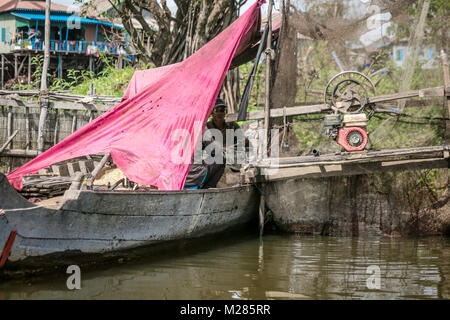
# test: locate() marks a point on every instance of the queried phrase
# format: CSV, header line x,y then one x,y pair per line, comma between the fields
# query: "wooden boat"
x,y
102,223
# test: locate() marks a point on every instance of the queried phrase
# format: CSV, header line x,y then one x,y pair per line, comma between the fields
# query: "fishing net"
x,y
391,47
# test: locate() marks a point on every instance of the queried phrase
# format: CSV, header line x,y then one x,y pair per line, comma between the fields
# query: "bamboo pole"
x,y
97,169
15,67
3,72
262,202
268,67
44,91
29,68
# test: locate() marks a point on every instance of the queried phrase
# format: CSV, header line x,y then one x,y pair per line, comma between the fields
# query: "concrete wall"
x,y
391,204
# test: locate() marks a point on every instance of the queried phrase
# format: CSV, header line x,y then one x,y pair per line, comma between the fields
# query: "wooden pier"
x,y
354,163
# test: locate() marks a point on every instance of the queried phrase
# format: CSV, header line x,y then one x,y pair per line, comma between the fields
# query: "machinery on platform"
x,y
347,93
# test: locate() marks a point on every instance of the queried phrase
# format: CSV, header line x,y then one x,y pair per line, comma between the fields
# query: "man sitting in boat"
x,y
208,173
218,120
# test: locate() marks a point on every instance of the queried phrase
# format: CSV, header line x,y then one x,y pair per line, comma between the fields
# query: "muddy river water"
x,y
281,266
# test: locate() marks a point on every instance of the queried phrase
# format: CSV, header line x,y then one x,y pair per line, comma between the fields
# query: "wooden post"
x,y
91,93
268,67
55,132
262,202
447,106
59,66
97,169
120,62
61,61
74,121
446,88
262,211
9,121
91,62
16,73
44,93
3,72
29,68
27,128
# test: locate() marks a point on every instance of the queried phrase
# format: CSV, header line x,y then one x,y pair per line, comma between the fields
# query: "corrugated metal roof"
x,y
62,18
32,5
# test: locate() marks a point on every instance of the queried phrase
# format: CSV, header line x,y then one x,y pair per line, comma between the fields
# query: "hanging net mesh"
x,y
390,47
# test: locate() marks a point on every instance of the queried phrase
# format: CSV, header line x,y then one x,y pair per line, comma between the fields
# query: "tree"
x,y
333,19
437,23
177,32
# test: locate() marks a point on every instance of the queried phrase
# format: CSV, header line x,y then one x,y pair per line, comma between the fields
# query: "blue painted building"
x,y
75,41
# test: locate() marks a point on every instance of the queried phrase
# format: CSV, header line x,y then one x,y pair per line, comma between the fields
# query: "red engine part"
x,y
352,138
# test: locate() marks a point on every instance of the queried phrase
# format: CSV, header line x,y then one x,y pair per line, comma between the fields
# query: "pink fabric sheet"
x,y
138,132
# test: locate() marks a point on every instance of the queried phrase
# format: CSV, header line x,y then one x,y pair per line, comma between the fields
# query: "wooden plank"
x,y
348,156
8,141
427,92
352,169
19,153
274,113
18,103
320,108
411,104
55,105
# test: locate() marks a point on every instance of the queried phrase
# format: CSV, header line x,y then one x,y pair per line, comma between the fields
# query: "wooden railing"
x,y
70,46
69,112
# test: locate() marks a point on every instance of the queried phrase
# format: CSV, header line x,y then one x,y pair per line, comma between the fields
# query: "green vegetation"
x,y
411,127
108,82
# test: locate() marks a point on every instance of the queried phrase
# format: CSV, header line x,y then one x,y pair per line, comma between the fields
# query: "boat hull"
x,y
103,223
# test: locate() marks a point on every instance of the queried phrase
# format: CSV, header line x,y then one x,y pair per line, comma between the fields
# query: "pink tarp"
x,y
139,132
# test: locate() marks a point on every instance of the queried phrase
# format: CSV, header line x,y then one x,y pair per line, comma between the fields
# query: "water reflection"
x,y
279,267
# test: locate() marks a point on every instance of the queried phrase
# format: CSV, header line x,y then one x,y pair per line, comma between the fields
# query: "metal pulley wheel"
x,y
349,92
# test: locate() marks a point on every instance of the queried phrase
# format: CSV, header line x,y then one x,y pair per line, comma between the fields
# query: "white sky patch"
x,y
374,35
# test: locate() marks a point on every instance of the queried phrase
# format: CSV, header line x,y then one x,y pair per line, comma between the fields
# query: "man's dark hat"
x,y
220,103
